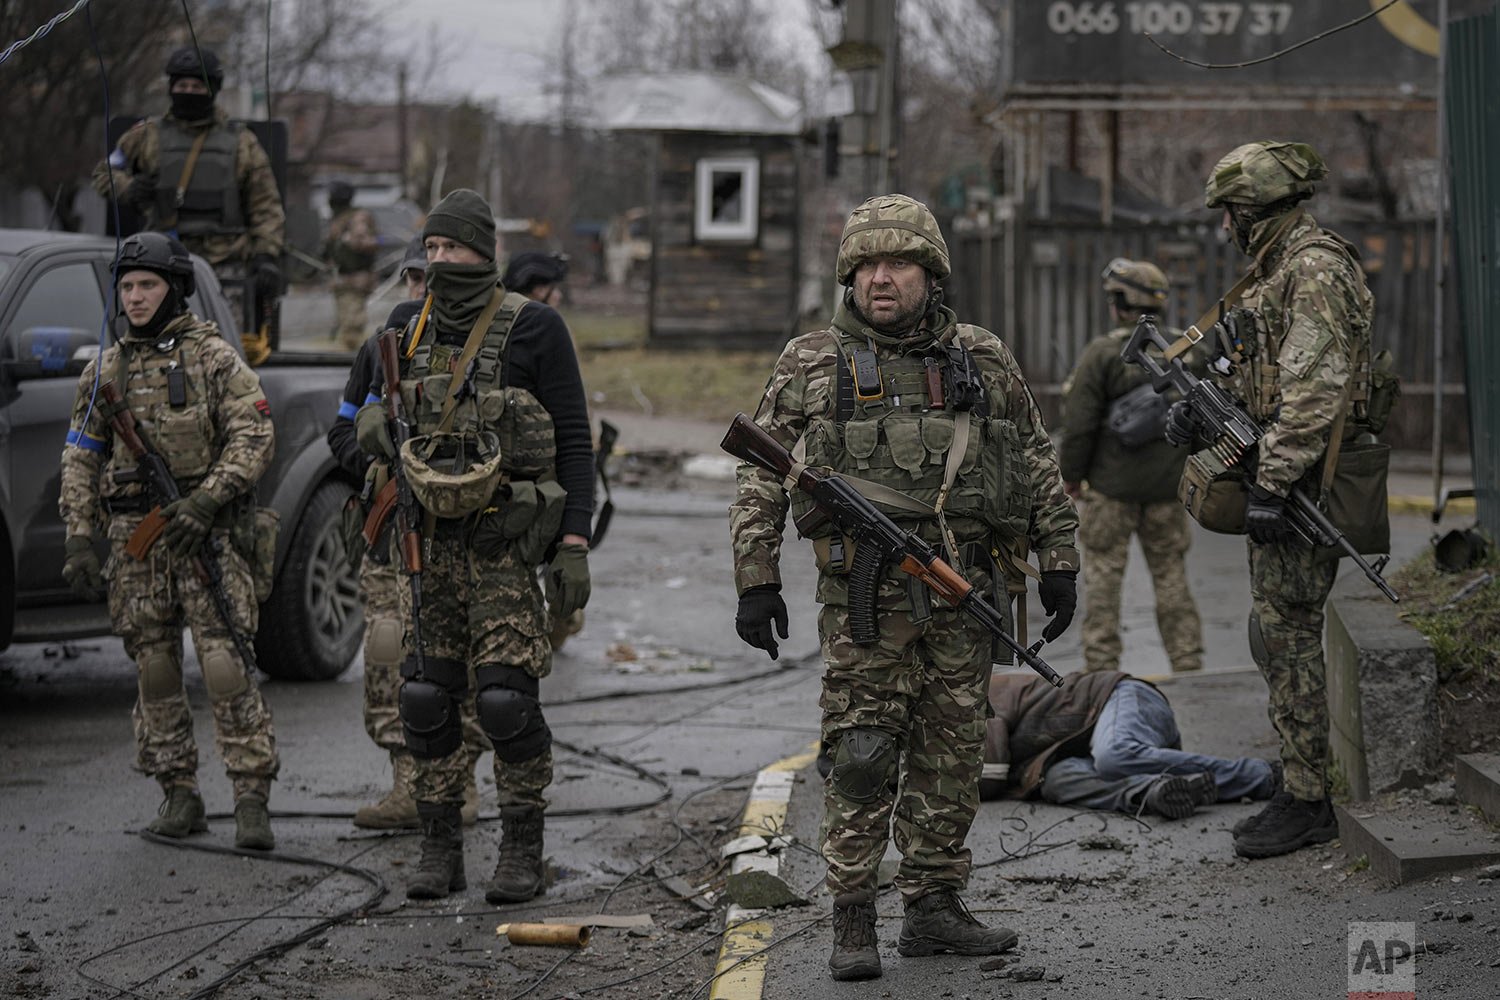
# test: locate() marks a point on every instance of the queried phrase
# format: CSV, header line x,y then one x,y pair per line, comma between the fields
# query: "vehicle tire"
x,y
312,624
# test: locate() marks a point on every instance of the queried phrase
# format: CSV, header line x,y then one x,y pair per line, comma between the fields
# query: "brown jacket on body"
x,y
1035,724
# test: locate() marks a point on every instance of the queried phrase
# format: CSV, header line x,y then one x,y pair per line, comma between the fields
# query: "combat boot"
x,y
398,810
855,955
1285,825
1278,782
441,869
181,813
518,873
939,921
252,824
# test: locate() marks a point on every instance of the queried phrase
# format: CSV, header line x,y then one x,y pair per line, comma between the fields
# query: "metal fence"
x,y
1050,303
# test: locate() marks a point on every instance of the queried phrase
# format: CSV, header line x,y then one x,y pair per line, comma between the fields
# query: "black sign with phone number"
x,y
1104,42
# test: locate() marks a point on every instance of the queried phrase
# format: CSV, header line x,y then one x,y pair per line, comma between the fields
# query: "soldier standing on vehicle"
x,y
351,246
493,367
1304,323
1124,476
927,414
380,593
204,180
202,409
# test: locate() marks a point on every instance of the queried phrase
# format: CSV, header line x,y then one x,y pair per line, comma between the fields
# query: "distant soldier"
x,y
201,407
1124,476
197,176
1303,372
380,592
486,365
350,247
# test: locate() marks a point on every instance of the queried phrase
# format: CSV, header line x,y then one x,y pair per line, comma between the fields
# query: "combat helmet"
x,y
1140,282
160,254
892,225
340,194
1264,172
451,474
186,61
532,268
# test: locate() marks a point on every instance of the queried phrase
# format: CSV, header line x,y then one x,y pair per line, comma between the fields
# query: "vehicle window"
x,y
59,313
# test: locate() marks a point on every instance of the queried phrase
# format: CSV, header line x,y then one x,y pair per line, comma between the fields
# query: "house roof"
x,y
695,102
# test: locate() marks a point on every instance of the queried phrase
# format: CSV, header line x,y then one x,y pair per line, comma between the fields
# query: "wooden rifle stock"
x,y
380,510
145,535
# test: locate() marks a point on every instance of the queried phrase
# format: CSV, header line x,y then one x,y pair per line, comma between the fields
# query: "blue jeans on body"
x,y
1131,747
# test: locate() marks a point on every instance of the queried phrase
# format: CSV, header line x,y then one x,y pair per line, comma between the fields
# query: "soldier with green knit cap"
x,y
933,421
1124,477
1305,326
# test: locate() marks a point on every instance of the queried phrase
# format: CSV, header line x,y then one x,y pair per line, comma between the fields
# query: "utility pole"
x,y
868,53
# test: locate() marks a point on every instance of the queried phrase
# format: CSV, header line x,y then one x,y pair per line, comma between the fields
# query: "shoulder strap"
x,y
471,347
190,164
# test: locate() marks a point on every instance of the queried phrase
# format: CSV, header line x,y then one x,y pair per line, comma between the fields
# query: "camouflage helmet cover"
x,y
1142,283
1263,172
452,475
892,225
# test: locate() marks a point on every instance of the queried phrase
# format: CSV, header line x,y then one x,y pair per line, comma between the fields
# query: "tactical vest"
x,y
211,203
165,392
346,259
902,442
528,447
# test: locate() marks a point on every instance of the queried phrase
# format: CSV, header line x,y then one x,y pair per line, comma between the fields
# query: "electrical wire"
x,y
1278,53
40,32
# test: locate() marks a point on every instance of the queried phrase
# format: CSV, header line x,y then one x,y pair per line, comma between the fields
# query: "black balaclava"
x,y
192,107
174,305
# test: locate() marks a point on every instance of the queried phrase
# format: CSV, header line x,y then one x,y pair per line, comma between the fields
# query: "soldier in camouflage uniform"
x,y
350,247
1131,487
201,407
1307,333
229,210
518,492
904,717
380,592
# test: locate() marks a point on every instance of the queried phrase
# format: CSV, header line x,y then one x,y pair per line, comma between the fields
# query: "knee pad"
x,y
224,675
383,642
510,714
1258,651
864,764
429,706
160,675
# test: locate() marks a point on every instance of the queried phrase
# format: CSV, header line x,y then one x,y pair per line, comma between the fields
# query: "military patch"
x,y
263,407
244,382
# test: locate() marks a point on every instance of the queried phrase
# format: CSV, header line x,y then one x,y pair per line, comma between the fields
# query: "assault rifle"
x,y
880,540
1235,437
161,486
397,497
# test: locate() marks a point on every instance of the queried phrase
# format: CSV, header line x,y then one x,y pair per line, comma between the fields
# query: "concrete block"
x,y
1476,778
1414,845
1382,693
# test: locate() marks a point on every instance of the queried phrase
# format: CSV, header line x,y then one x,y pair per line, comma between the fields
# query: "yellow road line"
x,y
1460,506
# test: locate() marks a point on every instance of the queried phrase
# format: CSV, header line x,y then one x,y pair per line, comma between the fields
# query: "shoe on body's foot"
x,y
939,921
1176,796
855,953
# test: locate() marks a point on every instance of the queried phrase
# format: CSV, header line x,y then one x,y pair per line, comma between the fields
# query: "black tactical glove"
x,y
267,277
1059,593
373,432
81,567
141,193
759,607
1265,518
189,521
1182,425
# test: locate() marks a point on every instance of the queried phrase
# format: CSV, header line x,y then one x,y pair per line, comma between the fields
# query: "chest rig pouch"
x,y
210,198
165,392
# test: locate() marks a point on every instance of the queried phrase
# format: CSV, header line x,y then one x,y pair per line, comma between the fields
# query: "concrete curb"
x,y
747,932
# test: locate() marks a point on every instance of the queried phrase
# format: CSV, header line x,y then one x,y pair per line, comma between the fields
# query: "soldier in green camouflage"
x,y
933,421
201,407
350,247
1124,479
205,180
1310,345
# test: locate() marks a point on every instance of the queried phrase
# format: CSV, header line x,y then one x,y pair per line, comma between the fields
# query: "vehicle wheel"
x,y
312,624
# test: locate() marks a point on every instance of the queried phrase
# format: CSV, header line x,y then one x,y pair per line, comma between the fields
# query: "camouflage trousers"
x,y
150,602
380,586
1104,529
484,612
353,324
1289,585
924,686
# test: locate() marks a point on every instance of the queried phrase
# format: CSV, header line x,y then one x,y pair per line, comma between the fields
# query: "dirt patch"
x,y
1459,613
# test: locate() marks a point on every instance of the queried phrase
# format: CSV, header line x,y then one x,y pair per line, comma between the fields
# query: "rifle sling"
x,y
471,348
186,178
